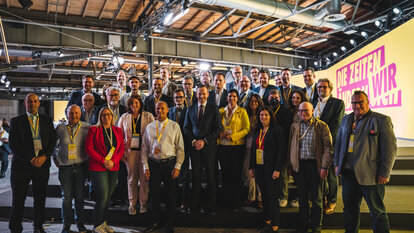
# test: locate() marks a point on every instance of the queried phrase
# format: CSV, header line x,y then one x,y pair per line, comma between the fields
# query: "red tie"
x,y
200,113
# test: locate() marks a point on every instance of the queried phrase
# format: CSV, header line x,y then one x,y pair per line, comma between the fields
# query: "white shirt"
x,y
218,96
262,91
171,141
309,91
319,107
3,135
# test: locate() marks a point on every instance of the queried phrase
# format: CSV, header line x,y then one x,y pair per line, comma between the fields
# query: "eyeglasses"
x,y
178,97
322,87
88,100
304,110
358,102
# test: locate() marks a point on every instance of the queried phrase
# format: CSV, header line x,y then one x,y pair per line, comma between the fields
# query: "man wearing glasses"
x,y
365,152
190,96
237,73
331,111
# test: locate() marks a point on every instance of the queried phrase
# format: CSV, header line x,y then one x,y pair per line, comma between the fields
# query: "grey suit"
x,y
374,152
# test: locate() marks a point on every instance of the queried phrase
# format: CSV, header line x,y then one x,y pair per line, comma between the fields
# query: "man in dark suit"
x,y
287,88
190,96
237,73
202,126
32,140
310,86
157,95
76,96
245,91
365,153
331,111
265,87
88,110
218,97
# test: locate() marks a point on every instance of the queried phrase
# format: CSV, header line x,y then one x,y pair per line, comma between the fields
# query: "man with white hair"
x,y
237,73
206,79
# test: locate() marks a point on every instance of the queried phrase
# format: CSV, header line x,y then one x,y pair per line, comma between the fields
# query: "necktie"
x,y
200,114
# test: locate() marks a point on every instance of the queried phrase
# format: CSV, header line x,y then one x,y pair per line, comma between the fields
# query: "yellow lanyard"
x,y
1,136
261,138
72,137
34,129
110,138
163,128
134,124
123,91
191,100
157,99
313,90
115,111
277,110
284,94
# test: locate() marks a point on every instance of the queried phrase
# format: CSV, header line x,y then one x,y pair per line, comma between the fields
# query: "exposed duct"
x,y
331,12
275,9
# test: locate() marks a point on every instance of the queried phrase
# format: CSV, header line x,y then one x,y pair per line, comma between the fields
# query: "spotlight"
x,y
335,54
300,66
168,18
36,54
203,66
8,83
316,63
343,48
14,89
60,54
352,42
364,34
328,59
184,62
397,11
379,24
3,78
134,44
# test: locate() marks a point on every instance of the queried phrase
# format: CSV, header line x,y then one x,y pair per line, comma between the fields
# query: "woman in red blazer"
x,y
105,147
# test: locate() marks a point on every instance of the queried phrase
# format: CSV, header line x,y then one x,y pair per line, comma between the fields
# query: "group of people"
x,y
253,132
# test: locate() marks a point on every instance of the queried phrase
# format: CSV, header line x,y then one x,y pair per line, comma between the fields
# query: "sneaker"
x,y
132,210
99,229
143,209
283,203
294,204
330,208
108,228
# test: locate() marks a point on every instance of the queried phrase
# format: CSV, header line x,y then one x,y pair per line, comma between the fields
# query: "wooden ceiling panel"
x,y
127,10
76,7
205,23
181,22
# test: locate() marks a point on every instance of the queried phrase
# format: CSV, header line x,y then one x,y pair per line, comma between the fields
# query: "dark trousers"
x,y
161,173
231,160
104,184
331,186
121,190
20,177
4,157
183,183
284,182
352,194
268,187
309,190
198,160
72,182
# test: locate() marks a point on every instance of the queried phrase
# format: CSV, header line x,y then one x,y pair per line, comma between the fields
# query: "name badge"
x,y
259,157
351,144
71,151
37,145
110,154
135,141
156,148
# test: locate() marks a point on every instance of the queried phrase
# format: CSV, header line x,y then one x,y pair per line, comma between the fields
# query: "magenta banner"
x,y
371,74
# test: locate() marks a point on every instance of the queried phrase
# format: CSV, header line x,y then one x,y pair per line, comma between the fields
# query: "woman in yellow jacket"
x,y
231,147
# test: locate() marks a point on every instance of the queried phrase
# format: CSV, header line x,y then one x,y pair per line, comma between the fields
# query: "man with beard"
x,y
157,95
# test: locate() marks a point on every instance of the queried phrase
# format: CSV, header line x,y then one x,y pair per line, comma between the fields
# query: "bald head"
x,y
305,111
32,103
161,110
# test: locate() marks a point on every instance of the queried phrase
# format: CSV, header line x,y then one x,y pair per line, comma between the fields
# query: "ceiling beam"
x,y
217,22
67,7
120,7
103,9
231,25
202,21
135,13
48,6
191,19
85,8
267,31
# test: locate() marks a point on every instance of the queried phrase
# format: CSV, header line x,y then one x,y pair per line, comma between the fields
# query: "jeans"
x,y
104,185
331,186
72,181
352,194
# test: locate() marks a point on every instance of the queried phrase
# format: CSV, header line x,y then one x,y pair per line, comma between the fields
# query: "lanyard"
x,y
110,130
277,110
115,111
134,124
72,137
306,131
191,99
311,94
33,128
157,99
1,136
261,138
163,128
284,94
123,90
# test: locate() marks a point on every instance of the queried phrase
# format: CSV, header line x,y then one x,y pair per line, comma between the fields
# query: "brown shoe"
x,y
260,204
330,209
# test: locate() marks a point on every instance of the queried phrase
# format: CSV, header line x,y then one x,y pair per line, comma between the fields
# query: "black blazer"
x,y
332,115
21,140
172,115
149,103
208,130
266,94
212,98
315,95
274,149
284,118
76,98
282,97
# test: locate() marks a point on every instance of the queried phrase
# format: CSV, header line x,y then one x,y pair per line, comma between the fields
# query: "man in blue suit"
x,y
287,88
202,126
265,87
218,96
365,152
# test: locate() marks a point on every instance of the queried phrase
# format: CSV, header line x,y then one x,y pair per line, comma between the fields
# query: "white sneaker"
x,y
143,209
108,228
132,210
283,203
294,204
99,229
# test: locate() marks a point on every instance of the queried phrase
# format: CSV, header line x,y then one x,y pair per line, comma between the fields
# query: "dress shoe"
x,y
247,202
39,230
330,208
81,227
66,228
260,204
153,227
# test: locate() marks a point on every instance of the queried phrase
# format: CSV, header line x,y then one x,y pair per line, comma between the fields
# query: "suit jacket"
x,y
243,101
266,93
284,118
274,149
193,101
315,95
231,85
76,98
322,140
375,146
21,140
223,100
125,123
209,128
93,119
169,89
95,147
332,115
286,101
172,115
149,103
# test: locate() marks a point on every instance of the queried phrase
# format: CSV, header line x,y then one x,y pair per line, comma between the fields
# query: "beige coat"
x,y
323,145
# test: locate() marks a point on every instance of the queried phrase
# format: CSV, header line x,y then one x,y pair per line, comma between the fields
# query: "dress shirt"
x,y
180,113
309,91
171,141
116,113
189,99
306,142
63,140
319,107
262,91
243,96
218,97
34,119
3,135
